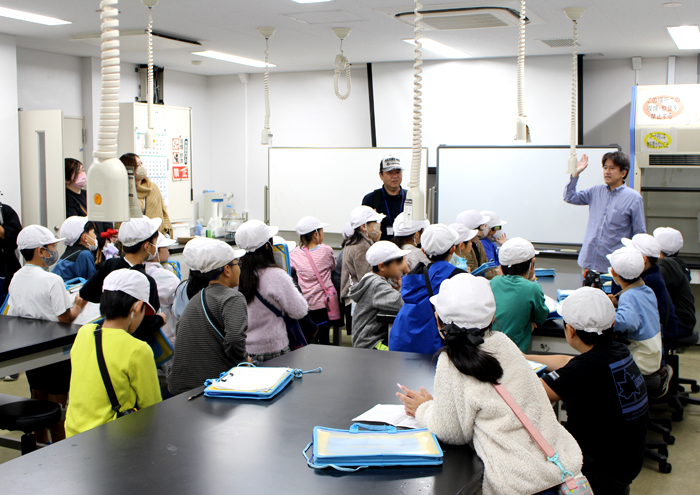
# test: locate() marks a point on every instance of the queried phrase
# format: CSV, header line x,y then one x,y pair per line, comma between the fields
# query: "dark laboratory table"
x,y
218,446
27,344
549,337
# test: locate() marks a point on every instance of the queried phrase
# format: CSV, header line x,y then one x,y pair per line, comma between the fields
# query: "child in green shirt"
x,y
520,305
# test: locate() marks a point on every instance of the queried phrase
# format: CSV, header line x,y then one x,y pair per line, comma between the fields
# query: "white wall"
x,y
607,94
9,127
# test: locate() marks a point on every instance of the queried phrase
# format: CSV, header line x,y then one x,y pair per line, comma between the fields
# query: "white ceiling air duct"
x,y
522,131
574,13
108,184
341,64
150,137
267,32
414,207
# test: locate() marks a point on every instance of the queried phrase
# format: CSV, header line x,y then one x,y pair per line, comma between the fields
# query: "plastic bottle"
x,y
198,228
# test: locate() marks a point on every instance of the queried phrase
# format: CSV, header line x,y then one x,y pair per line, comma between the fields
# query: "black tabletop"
x,y
219,446
179,248
564,281
23,336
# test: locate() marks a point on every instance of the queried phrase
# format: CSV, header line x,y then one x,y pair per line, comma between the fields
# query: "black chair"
x,y
655,450
27,416
678,397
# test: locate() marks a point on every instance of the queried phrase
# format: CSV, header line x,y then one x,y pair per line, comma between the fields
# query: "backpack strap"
x,y
104,372
210,316
377,199
456,271
428,286
269,305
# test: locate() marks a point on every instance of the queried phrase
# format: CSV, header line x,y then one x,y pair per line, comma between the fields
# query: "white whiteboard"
x,y
328,183
524,185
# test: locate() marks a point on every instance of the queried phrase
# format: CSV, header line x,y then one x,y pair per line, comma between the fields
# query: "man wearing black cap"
x,y
388,199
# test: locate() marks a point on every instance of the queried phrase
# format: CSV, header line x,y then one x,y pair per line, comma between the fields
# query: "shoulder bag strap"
x,y
552,456
210,316
313,266
377,199
426,275
105,372
269,305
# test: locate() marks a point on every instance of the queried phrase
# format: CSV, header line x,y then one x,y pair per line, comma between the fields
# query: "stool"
x,y
683,342
657,451
678,397
27,416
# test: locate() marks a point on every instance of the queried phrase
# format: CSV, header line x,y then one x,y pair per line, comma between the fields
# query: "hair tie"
x,y
469,336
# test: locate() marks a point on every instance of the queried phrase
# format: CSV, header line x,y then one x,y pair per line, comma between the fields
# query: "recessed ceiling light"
x,y
29,17
310,1
685,37
232,58
440,48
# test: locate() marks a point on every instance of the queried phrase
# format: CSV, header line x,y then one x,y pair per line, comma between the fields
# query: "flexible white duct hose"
x,y
150,69
347,78
417,101
109,103
266,131
574,92
521,61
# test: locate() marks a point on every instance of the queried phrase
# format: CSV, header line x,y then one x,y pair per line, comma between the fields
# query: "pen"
x,y
196,395
400,386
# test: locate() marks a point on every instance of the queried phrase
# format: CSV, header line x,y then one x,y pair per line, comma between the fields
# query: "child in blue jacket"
x,y
415,328
78,260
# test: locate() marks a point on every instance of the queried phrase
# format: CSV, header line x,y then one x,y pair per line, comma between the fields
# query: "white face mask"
x,y
152,256
141,172
92,247
486,230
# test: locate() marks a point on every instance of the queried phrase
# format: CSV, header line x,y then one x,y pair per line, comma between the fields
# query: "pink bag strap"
x,y
313,266
552,456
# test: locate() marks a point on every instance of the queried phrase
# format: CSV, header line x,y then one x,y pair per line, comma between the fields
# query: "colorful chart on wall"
x,y
155,160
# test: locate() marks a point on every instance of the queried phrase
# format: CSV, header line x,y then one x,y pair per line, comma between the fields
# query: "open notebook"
x,y
552,307
390,414
244,379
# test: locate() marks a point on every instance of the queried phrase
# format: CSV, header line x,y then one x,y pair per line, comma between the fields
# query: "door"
x,y
74,139
42,170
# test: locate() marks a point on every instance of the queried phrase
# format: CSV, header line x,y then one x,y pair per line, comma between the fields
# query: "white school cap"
x,y
383,251
364,214
138,229
466,301
463,233
164,241
34,236
309,224
587,309
627,262
348,231
72,229
494,219
131,282
472,219
391,163
670,240
438,239
216,254
516,250
400,230
192,251
645,244
254,234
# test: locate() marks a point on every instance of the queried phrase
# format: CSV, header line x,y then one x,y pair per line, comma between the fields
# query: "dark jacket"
x,y
681,293
9,263
667,311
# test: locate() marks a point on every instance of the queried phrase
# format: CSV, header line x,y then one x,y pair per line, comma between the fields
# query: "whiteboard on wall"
x,y
523,184
327,183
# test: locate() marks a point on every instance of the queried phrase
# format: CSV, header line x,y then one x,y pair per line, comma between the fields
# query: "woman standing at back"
x,y
150,198
266,286
310,257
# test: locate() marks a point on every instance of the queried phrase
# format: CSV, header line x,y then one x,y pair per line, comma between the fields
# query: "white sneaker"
x,y
11,378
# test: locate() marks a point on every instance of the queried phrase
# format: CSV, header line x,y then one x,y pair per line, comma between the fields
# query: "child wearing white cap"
x,y
408,239
520,302
374,293
128,361
138,237
265,286
637,318
605,395
463,245
366,223
474,220
78,260
39,294
166,282
310,257
493,235
414,328
677,278
211,333
467,407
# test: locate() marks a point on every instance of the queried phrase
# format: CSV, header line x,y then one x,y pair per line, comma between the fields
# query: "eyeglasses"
x,y
497,227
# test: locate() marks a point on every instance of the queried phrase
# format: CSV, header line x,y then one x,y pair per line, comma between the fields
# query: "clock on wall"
x,y
663,107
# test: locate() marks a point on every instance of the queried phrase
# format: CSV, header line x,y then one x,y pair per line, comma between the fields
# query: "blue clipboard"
x,y
215,388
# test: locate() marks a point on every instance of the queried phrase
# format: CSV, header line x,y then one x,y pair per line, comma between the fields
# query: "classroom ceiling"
x,y
609,28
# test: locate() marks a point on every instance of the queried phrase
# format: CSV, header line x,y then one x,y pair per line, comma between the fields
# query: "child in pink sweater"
x,y
261,279
310,231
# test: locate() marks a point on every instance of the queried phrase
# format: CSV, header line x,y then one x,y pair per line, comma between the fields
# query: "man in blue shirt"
x,y
614,210
388,199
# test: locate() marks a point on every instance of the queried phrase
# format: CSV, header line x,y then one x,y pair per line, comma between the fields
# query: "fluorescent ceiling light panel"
x,y
310,1
439,48
29,17
232,58
685,37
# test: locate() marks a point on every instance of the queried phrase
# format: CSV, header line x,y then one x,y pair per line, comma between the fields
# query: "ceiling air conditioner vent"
x,y
675,160
558,42
464,18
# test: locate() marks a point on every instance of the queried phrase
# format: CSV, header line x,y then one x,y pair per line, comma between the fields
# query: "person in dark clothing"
x,y
76,196
388,199
77,260
10,227
138,236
